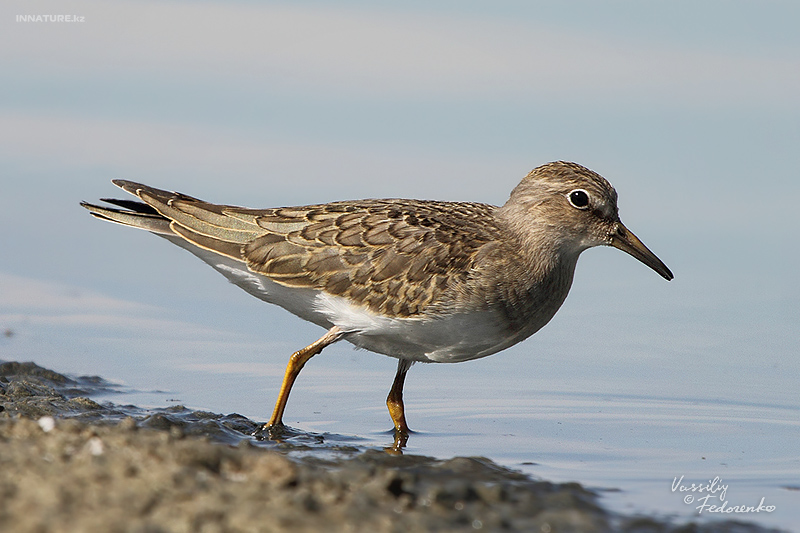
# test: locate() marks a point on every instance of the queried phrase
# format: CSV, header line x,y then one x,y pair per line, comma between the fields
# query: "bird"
x,y
419,280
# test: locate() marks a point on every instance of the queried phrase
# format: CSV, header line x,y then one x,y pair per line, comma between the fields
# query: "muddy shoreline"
x,y
70,463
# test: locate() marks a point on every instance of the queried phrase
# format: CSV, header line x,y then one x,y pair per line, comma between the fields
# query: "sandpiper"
x,y
422,281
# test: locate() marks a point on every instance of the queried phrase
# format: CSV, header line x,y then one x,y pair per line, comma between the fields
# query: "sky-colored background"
x,y
690,109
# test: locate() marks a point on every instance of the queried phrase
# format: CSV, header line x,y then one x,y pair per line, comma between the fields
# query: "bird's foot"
x,y
276,432
400,440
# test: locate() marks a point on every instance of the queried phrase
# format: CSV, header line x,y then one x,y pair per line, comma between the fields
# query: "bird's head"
x,y
575,208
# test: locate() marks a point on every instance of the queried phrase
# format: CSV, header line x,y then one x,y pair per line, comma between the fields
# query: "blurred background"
x,y
690,109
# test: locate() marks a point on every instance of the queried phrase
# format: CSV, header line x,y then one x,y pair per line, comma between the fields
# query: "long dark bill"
x,y
629,243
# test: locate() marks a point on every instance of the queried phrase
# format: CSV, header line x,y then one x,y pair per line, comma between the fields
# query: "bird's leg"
x,y
395,403
293,368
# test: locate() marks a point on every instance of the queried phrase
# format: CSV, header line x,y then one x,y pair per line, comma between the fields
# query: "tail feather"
x,y
182,218
195,215
131,205
136,214
163,196
200,217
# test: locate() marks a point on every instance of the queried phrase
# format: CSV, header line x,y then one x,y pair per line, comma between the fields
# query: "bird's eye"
x,y
579,199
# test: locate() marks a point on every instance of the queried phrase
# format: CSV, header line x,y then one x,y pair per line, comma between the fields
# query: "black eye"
x,y
579,198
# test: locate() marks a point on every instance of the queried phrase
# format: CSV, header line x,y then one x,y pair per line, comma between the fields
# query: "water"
x,y
603,410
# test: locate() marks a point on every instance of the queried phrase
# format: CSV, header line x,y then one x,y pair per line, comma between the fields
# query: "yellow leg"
x,y
395,400
293,368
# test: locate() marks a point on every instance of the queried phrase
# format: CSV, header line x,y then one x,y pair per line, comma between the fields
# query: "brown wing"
x,y
393,256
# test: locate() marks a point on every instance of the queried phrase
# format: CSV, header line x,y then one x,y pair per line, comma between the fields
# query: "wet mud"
x,y
71,463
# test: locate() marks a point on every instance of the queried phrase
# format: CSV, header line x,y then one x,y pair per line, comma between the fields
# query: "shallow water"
x,y
560,407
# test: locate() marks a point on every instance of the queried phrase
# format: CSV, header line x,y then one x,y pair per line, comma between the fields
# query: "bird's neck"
x,y
544,249
542,268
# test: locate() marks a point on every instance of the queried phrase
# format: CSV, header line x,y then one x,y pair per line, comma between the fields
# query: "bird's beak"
x,y
626,241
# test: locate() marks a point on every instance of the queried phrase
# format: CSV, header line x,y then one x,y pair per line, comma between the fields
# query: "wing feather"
x,y
393,256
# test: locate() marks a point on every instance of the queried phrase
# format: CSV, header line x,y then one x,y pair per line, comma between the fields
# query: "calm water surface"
x,y
628,390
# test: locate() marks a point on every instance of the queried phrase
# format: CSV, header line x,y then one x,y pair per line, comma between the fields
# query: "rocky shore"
x,y
69,463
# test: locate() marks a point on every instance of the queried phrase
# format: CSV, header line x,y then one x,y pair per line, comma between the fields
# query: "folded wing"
x,y
393,256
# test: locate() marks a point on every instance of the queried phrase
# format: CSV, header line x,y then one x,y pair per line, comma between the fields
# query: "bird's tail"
x,y
132,213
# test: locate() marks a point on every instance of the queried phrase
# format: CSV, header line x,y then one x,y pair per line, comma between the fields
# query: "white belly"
x,y
447,339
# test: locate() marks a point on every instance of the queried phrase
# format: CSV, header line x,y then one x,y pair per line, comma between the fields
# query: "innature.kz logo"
x,y
50,18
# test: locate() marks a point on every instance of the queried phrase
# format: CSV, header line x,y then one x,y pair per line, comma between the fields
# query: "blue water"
x,y
635,383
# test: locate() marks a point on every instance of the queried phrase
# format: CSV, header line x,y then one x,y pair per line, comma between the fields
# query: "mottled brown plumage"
x,y
396,257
